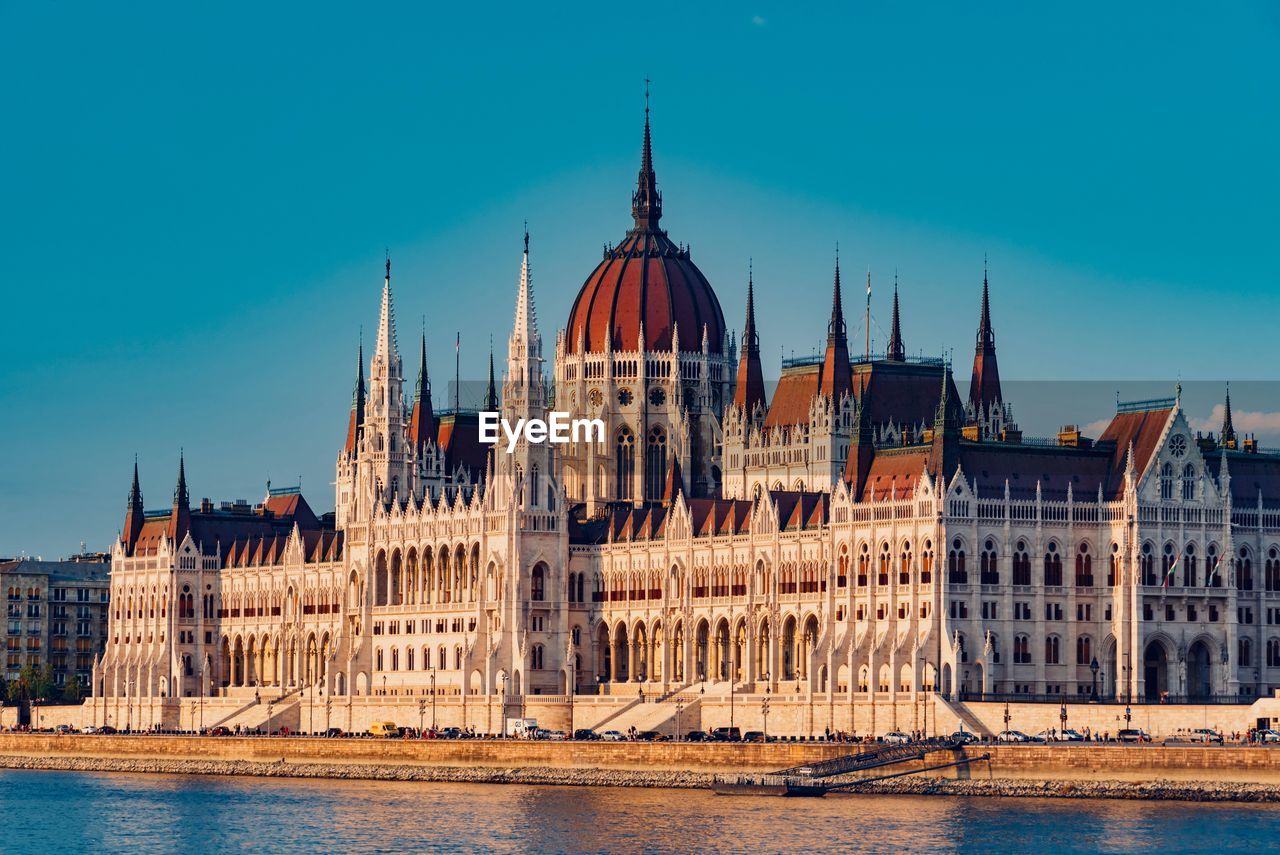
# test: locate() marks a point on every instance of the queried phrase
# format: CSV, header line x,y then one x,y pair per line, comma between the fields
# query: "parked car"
x,y
449,733
1060,736
1206,735
586,734
88,728
726,734
334,733
108,730
63,728
696,736
1133,734
754,736
896,737
1013,736
612,736
964,737
1269,735
384,730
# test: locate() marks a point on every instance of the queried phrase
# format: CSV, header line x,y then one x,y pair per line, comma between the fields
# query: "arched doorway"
x,y
1199,676
1155,671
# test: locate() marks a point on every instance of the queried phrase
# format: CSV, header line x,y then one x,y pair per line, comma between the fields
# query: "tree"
x,y
73,692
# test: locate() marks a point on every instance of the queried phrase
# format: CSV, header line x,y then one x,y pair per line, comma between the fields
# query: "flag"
x,y
1169,574
1214,572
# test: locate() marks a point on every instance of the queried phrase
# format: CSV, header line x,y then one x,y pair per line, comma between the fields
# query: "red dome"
x,y
645,279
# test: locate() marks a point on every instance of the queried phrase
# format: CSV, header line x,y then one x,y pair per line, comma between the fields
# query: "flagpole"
x,y
457,374
868,319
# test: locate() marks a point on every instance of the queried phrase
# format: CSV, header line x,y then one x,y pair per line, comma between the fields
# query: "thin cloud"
x,y
1245,421
757,20
1095,429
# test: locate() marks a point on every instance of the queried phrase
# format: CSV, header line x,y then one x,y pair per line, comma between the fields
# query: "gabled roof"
x,y
1141,427
459,438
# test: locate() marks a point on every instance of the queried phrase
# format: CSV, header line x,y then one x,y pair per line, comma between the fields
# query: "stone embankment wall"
x,y
1056,763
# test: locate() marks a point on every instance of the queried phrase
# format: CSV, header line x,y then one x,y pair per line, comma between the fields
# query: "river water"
x,y
116,812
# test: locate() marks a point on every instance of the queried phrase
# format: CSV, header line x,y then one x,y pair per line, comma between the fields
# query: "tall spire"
x,y
986,335
491,393
749,390
1228,437
646,202
837,378
526,324
180,519
386,350
356,424
984,384
422,422
897,351
134,514
836,327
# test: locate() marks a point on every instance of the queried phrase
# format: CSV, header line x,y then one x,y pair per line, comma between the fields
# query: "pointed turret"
x,y
422,422
749,391
180,519
356,424
491,393
897,351
134,514
1228,437
947,421
646,202
674,484
386,350
984,385
837,378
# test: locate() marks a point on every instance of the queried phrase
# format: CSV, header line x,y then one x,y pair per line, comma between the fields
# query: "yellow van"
x,y
384,729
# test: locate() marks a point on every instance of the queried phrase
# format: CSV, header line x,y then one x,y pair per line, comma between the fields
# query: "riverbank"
x,y
1155,790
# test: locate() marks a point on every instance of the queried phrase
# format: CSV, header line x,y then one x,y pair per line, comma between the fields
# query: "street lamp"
x,y
271,708
1006,715
1093,666
502,714
422,711
328,707
679,709
1128,716
433,699
764,713
1062,715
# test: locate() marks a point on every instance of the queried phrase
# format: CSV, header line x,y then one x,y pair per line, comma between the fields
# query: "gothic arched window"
x,y
1188,483
626,462
1166,481
655,462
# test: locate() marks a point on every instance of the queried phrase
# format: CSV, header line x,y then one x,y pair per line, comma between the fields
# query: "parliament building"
x,y
859,536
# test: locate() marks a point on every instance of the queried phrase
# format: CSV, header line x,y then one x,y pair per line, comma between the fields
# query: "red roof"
x,y
459,438
1142,428
792,397
648,279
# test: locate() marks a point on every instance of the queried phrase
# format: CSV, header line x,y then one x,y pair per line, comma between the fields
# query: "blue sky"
x,y
197,202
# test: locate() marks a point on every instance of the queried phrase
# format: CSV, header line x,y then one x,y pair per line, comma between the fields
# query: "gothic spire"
x,y
984,384
897,351
135,490
526,323
134,514
386,350
646,202
1228,437
836,327
356,424
180,518
749,390
837,378
491,393
422,422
